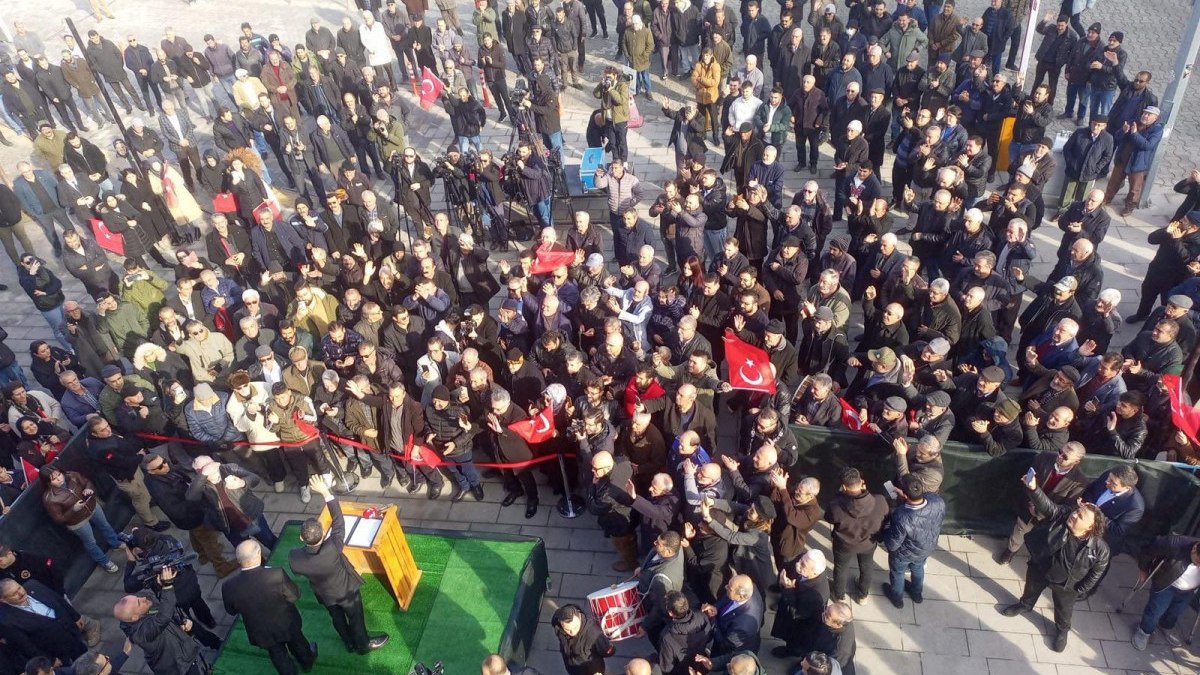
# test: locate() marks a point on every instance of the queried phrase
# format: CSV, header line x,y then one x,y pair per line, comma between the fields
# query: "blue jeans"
x,y
714,242
260,530
1163,608
465,143
88,537
1101,101
897,566
554,140
465,474
542,211
1077,91
13,373
1016,151
58,323
642,82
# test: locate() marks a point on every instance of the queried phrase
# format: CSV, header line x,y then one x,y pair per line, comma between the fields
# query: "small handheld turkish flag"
x,y
749,366
1185,416
431,88
535,429
850,418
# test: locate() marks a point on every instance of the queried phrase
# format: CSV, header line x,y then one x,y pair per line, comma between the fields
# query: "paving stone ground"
x,y
957,630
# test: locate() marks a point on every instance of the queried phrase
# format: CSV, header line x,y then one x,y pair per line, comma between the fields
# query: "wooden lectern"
x,y
378,547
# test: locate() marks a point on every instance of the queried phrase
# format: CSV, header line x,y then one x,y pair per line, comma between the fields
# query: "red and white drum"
x,y
618,609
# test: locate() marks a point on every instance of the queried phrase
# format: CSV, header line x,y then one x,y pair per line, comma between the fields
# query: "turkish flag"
x,y
545,262
431,88
535,429
850,418
1184,415
749,366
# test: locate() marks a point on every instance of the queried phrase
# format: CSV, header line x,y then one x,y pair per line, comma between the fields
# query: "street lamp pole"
x,y
1176,90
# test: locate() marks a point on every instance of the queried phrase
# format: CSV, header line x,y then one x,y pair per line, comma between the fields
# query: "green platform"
x,y
473,599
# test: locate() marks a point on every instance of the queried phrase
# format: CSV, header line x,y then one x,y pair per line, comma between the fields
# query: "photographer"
x,y
151,554
490,195
456,174
389,133
613,92
534,182
543,100
415,179
168,648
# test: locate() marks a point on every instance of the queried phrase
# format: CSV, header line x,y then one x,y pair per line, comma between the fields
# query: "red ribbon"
x,y
428,456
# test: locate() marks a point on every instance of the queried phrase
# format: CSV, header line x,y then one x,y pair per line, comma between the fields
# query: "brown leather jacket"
x,y
60,501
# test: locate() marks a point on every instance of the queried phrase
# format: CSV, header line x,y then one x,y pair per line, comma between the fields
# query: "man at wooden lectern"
x,y
334,580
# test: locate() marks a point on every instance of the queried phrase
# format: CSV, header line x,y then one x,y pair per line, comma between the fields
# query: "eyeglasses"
x,y
251,302
195,332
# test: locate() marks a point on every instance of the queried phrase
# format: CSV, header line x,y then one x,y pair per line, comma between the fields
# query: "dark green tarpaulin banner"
x,y
981,491
28,527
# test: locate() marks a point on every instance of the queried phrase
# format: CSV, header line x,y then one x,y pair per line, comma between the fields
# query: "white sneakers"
x,y
305,494
1140,639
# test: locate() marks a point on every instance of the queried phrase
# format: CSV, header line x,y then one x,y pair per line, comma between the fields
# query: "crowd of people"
x,y
302,333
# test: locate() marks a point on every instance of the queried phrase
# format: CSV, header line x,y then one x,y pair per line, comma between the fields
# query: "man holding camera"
x,y
154,627
334,580
613,93
148,552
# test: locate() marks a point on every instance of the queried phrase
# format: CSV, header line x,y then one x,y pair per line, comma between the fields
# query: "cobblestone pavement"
x,y
957,629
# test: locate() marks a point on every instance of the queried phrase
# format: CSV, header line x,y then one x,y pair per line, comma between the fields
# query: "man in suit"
x,y
180,135
737,618
1116,493
334,580
266,599
1059,475
45,617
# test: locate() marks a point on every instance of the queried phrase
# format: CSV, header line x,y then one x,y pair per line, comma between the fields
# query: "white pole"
x,y
1173,98
1031,22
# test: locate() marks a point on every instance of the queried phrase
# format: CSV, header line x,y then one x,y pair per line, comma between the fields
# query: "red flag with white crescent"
x,y
851,419
749,366
536,429
1184,415
431,88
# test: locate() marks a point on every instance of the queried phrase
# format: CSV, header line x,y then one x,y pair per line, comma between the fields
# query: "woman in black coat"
x,y
152,213
47,363
120,216
582,643
247,188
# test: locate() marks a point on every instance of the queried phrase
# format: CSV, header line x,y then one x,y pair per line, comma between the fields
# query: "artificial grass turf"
x,y
457,616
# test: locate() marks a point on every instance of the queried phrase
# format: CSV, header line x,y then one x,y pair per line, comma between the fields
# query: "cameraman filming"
x,y
543,98
148,550
154,627
456,173
535,182
613,92
491,197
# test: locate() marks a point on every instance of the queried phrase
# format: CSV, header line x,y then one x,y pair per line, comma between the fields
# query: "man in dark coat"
x,y
60,637
334,580
266,599
737,617
1115,492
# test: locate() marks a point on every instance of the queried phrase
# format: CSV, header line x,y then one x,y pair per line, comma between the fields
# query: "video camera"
x,y
520,92
147,570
